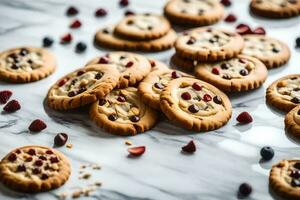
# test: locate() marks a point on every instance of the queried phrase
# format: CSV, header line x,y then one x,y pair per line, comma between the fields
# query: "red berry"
x,y
4,96
190,147
244,118
103,60
71,11
207,98
175,74
197,86
124,3
62,82
129,64
75,24
243,29
37,125
215,71
259,31
12,157
67,38
129,12
100,12
230,18
226,2
136,151
186,96
12,106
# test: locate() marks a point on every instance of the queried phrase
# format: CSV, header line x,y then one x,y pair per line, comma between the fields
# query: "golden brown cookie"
x,y
151,87
83,86
183,63
132,67
122,112
275,8
194,12
273,53
26,64
208,44
34,169
241,73
284,179
195,104
142,27
292,122
157,65
284,93
105,37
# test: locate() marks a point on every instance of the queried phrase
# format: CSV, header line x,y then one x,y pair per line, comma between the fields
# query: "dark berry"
x,y
24,52
47,42
129,12
297,165
103,60
226,3
295,174
215,71
207,98
38,162
71,11
60,139
37,125
267,153
65,39
175,74
193,108
295,100
42,158
12,157
31,152
12,106
4,96
217,99
159,86
112,117
259,31
21,168
191,41
129,64
121,98
225,66
71,94
134,118
14,66
243,29
124,3
275,50
101,12
80,47
226,76
36,171
44,176
190,147
245,189
230,18
197,86
244,118
75,24
49,152
298,42
54,160
28,159
18,151
81,90
102,102
80,72
244,72
186,96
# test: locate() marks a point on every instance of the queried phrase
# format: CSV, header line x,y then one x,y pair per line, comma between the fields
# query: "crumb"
x,y
98,184
127,142
62,195
96,167
69,146
86,176
76,194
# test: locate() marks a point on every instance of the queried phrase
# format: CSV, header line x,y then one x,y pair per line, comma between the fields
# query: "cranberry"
x,y
36,171
129,64
207,98
259,31
190,147
134,118
102,102
65,39
12,157
230,18
197,86
112,117
38,162
217,99
226,2
18,151
29,159
79,73
42,158
21,168
159,86
124,3
243,29
186,96
175,74
121,98
215,71
129,12
12,106
31,152
49,152
54,160
37,125
244,72
60,139
137,151
103,60
244,118
4,96
193,108
71,11
245,189
62,82
75,24
100,12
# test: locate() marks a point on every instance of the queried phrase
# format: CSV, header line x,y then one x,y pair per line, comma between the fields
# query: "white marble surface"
x,y
224,159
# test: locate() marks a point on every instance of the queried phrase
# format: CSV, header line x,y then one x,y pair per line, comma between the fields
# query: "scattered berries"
x,y
67,38
80,47
37,125
243,29
230,18
245,189
137,151
12,106
129,12
71,11
190,147
101,12
124,3
4,96
60,139
267,153
47,42
259,31
75,24
226,3
244,118
298,42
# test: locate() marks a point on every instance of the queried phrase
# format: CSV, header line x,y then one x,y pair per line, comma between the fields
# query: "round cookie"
x,y
195,104
132,67
157,65
284,179
183,63
273,53
208,44
241,73
34,169
122,112
151,87
82,87
194,12
105,37
284,93
142,27
26,64
275,8
292,122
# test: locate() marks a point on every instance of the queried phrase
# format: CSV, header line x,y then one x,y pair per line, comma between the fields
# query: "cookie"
x,y
157,65
83,87
34,169
132,67
292,122
122,112
183,63
106,38
284,179
151,87
26,64
208,44
275,8
142,27
195,104
241,73
284,93
194,12
273,53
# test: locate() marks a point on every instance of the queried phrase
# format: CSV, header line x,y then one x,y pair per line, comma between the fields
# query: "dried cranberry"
x,y
12,157
21,168
38,162
18,151
124,3
175,74
217,99
137,151
159,86
243,29
49,152
60,139
230,18
62,82
186,96
259,31
197,86
129,12
102,102
112,117
103,60
121,98
42,158
129,64
244,118
4,96
12,106
28,159
101,12
215,71
193,108
71,11
207,98
36,171
190,147
37,125
54,160
65,39
79,73
134,118
75,24
226,2
31,152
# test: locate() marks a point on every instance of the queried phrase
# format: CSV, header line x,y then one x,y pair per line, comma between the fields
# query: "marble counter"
x,y
224,158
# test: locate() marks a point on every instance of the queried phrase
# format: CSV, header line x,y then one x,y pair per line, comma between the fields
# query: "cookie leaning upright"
x,y
34,169
122,112
284,94
208,44
275,8
195,104
132,67
272,52
26,64
194,12
292,122
82,87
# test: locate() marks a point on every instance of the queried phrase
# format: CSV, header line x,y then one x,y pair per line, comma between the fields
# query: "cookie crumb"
x,y
76,194
96,167
85,176
69,146
62,195
127,142
98,183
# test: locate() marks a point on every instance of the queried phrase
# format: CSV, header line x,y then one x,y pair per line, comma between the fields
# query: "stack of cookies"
x,y
140,32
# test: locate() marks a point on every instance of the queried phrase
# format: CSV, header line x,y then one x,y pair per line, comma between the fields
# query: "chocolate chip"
x,y
244,72
121,98
79,73
74,81
200,12
212,40
150,28
112,117
197,86
225,66
298,112
60,139
122,57
12,157
24,52
134,118
44,176
217,99
176,74
292,1
54,160
102,102
129,22
38,163
14,66
31,152
275,50
191,41
186,96
298,42
71,94
193,108
21,168
297,165
81,90
159,86
105,31
295,174
296,89
30,61
226,76
126,76
42,158
295,100
295,183
49,152
36,171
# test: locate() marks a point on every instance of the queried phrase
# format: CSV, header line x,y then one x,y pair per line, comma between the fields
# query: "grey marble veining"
x,y
225,157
